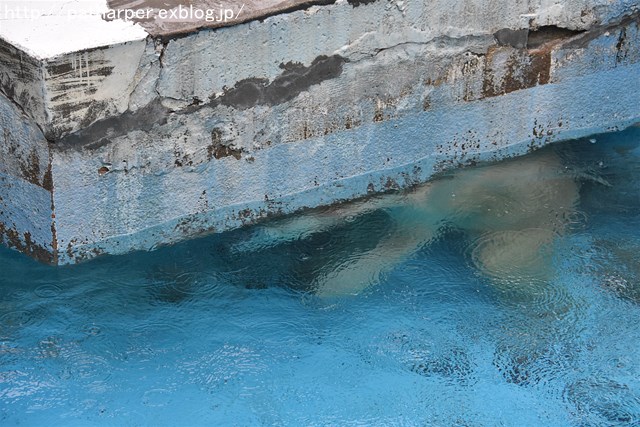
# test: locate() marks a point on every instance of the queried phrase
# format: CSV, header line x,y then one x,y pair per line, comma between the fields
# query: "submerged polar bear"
x,y
511,211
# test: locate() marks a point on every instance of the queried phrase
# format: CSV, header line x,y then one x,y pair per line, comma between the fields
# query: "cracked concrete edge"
x,y
82,87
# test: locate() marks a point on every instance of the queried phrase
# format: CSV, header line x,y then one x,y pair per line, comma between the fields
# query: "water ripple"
x,y
79,364
48,291
603,402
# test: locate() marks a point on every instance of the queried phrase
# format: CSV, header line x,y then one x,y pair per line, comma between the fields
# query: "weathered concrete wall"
x,y
26,199
162,138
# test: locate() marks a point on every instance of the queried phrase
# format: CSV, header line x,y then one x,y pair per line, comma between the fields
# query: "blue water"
x,y
242,328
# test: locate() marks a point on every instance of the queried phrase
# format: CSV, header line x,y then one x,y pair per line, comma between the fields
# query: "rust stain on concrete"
x,y
522,70
24,243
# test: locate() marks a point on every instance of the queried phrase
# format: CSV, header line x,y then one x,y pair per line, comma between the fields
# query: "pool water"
x,y
506,295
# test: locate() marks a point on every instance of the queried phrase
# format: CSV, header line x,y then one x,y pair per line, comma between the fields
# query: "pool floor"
x,y
251,327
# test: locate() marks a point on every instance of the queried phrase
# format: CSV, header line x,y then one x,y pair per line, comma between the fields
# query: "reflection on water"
x,y
511,213
506,294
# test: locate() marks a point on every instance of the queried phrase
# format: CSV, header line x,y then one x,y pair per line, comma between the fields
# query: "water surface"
x,y
504,295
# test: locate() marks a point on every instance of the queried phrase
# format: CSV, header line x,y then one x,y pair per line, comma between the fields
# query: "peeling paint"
x,y
23,243
218,149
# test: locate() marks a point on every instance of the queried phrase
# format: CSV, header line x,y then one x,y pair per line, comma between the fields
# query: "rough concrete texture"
x,y
157,139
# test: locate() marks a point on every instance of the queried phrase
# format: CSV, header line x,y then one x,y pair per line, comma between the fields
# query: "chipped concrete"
x,y
200,127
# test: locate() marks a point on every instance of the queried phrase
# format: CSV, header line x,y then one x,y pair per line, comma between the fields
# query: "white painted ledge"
x,y
46,29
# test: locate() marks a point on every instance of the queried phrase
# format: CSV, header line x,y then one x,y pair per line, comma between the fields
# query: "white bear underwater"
x,y
511,211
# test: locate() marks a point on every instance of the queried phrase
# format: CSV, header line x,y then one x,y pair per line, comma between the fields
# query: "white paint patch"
x,y
49,28
84,85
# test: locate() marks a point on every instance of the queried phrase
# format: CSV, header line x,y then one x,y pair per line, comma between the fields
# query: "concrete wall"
x,y
26,199
159,139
